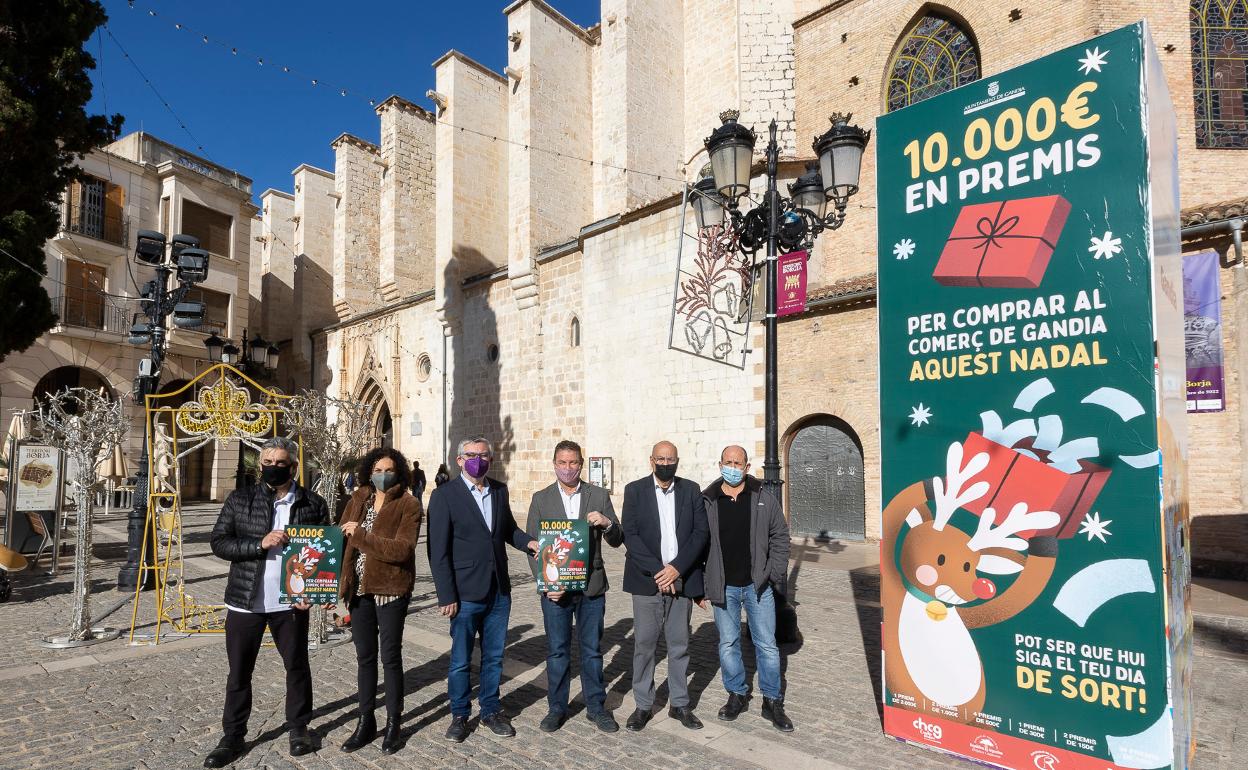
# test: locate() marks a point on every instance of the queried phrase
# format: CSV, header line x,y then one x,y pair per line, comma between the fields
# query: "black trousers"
x,y
369,623
244,632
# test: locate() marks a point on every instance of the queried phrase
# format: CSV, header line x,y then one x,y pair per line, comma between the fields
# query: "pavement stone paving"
x,y
116,706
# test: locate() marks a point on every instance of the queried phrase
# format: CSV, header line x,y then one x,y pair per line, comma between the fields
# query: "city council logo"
x,y
994,88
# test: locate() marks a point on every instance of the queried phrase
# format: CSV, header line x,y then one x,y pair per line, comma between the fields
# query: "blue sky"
x,y
259,120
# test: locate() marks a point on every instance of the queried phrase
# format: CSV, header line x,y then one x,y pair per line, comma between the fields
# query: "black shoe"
x,y
773,711
684,715
553,721
499,724
227,751
300,742
605,722
637,721
733,708
365,732
390,742
458,730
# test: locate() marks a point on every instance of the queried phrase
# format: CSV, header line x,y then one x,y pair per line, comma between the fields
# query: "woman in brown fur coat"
x,y
380,526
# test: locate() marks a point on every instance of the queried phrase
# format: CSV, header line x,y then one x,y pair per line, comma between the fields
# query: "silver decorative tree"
x,y
86,425
332,432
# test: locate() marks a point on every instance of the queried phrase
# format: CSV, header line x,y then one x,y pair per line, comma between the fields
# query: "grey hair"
x,y
283,443
475,440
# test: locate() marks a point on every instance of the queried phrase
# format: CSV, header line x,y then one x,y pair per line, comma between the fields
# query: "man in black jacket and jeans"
x,y
250,534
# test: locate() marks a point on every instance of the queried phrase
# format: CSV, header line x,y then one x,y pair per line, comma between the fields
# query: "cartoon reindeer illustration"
x,y
555,556
932,591
300,568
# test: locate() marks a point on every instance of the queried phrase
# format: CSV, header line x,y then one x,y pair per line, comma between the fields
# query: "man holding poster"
x,y
570,500
250,533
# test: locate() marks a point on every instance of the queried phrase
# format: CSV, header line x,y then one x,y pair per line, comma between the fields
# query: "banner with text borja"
x,y
1031,395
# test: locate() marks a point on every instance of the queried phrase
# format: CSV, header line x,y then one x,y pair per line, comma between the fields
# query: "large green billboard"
x,y
1034,572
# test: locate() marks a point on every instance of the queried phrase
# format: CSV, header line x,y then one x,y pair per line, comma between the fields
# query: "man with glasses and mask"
x,y
250,533
470,522
665,534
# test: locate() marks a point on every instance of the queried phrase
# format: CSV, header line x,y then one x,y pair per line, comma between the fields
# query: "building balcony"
x,y
86,309
94,223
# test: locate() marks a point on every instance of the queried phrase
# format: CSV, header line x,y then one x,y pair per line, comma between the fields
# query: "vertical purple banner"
x,y
1202,331
791,283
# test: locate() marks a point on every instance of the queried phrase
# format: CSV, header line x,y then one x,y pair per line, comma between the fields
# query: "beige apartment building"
x,y
502,260
138,183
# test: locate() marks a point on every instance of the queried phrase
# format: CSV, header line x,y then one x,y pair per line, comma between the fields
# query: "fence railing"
x,y
88,309
94,223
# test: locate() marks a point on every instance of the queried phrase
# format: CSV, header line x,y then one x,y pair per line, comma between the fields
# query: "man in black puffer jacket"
x,y
250,534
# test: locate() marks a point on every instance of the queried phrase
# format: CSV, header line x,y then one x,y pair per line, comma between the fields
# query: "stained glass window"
x,y
934,56
1220,72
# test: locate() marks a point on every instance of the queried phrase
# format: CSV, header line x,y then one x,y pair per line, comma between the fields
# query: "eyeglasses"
x,y
472,455
664,460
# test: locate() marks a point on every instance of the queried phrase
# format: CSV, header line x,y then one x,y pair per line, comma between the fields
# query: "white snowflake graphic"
x,y
920,415
903,249
332,561
1106,246
1092,526
1092,60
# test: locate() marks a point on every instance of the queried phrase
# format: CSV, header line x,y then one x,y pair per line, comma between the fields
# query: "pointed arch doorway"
x,y
382,423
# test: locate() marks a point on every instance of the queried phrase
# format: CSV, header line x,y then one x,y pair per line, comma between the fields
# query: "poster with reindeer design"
x,y
311,565
1034,572
563,554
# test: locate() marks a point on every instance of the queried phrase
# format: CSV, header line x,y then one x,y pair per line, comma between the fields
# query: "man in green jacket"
x,y
746,563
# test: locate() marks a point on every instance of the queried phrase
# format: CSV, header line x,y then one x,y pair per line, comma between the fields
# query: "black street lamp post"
x,y
182,258
778,223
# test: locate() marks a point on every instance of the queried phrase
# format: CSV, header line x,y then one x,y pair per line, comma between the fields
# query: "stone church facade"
x,y
502,261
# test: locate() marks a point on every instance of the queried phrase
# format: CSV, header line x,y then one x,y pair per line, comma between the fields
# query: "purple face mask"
x,y
568,476
476,467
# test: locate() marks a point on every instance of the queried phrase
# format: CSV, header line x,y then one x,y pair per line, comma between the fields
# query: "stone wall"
x,y
356,243
313,245
406,216
277,264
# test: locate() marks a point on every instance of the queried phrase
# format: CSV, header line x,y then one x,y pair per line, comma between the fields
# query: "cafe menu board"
x,y
1034,571
37,478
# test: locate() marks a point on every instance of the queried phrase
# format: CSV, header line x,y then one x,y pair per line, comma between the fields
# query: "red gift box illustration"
x,y
1019,474
1006,244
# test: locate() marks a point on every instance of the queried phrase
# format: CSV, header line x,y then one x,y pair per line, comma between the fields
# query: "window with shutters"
x,y
1220,72
212,228
96,208
84,295
216,310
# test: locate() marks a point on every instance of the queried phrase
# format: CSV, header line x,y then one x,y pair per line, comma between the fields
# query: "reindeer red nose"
x,y
984,588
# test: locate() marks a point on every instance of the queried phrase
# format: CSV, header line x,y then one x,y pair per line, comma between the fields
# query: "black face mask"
x,y
275,475
665,472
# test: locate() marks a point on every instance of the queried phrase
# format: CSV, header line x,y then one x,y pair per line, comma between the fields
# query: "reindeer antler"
x,y
949,495
1002,536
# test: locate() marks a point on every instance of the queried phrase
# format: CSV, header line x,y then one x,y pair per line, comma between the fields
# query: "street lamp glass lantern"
x,y
229,353
257,350
807,192
215,345
731,147
708,204
840,157
273,356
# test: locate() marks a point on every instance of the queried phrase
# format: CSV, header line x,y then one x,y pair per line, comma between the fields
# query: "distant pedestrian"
x,y
441,477
418,480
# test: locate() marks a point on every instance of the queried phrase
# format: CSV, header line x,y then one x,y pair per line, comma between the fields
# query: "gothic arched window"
x,y
935,55
1220,72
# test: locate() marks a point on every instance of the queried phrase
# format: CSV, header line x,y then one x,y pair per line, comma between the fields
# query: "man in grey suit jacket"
x,y
571,498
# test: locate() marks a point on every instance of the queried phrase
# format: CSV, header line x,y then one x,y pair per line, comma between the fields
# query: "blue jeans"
x,y
489,619
760,613
558,617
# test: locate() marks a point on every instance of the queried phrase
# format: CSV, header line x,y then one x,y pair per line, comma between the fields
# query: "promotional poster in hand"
x,y
1034,536
311,565
563,555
